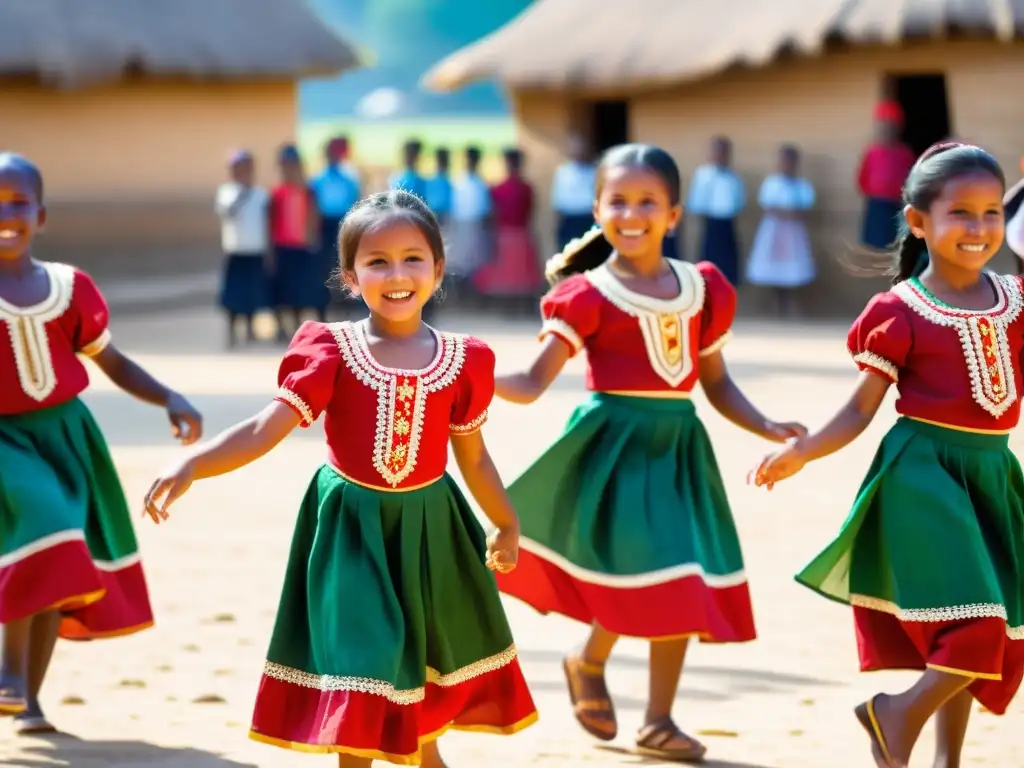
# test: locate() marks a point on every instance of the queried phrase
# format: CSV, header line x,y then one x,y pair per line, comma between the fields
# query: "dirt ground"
x,y
181,694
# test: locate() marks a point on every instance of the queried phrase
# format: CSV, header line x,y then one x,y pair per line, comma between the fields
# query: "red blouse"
x,y
883,169
952,366
513,203
39,353
636,343
386,427
290,209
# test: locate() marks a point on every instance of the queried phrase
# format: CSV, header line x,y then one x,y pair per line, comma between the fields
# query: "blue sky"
x,y
407,37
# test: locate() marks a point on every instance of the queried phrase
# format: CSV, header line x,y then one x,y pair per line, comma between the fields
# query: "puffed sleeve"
x,y
308,371
92,316
571,311
475,388
719,309
879,340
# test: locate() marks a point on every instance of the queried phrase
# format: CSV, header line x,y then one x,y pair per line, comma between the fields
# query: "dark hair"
x,y
289,153
790,150
12,161
513,158
441,154
377,211
937,166
593,249
473,155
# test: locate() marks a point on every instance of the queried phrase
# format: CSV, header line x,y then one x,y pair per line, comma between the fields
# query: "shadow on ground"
x,y
68,750
631,758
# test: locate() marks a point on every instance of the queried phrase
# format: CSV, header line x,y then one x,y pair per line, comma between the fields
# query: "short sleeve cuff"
x,y
471,427
869,361
97,345
716,345
299,405
564,331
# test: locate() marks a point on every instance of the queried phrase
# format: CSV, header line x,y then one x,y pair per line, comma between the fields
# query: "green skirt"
x,y
932,558
66,536
390,628
625,522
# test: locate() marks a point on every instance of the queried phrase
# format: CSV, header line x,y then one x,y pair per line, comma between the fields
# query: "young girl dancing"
x,y
69,562
390,628
932,556
625,520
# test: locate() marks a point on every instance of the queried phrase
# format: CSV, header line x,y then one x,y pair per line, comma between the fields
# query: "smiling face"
x,y
634,210
966,224
21,214
394,270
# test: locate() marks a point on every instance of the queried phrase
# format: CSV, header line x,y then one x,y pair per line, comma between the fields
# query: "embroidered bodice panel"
x,y
389,427
41,342
639,343
951,365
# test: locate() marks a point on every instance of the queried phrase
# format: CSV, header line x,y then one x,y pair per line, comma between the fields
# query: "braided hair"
x,y
939,164
593,249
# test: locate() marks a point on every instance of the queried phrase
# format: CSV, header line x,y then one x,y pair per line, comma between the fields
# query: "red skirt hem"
x,y
368,725
977,648
93,603
683,607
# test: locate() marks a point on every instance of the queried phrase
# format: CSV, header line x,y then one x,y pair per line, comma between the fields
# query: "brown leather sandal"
x,y
595,713
653,738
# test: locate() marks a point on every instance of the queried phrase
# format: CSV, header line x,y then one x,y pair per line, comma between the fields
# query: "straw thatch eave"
x,y
69,43
583,45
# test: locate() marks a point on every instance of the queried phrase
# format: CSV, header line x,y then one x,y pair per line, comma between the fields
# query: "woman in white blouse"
x,y
781,257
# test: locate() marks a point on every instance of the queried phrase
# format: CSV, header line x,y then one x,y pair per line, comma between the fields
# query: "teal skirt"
x,y
932,558
390,628
66,536
626,523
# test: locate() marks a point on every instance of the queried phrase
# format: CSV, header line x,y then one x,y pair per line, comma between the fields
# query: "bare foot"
x,y
885,726
431,756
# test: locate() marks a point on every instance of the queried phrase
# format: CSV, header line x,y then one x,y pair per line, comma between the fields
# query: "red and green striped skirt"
x,y
625,522
66,536
390,628
932,559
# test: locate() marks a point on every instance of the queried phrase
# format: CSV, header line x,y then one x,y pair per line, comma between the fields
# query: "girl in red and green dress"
x,y
390,629
932,555
625,521
69,562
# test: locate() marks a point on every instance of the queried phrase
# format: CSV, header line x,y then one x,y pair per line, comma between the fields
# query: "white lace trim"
x,y
664,323
561,328
298,404
934,615
30,342
387,690
986,348
717,344
401,396
471,427
878,363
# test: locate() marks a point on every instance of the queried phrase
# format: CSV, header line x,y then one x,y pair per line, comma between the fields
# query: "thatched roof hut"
x,y
74,42
676,72
130,108
654,43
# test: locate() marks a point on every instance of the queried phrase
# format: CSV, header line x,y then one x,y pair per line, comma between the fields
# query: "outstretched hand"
x,y
186,421
167,489
782,431
778,466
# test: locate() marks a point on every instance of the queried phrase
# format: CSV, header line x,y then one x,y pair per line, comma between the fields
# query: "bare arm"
x,y
230,450
526,386
187,423
841,430
483,479
728,400
852,419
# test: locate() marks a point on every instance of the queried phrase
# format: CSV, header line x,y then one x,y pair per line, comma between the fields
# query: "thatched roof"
x,y
590,44
72,42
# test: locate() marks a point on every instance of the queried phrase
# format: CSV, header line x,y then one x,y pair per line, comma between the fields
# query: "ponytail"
x,y
580,255
911,255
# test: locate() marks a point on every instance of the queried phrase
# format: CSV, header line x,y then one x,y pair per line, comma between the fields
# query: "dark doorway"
x,y
925,107
609,124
